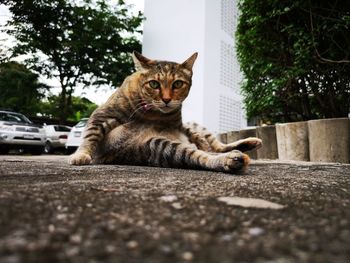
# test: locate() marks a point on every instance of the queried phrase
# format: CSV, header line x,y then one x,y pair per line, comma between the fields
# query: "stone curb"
x,y
324,140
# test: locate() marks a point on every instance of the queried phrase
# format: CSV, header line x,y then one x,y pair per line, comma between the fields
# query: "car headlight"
x,y
6,128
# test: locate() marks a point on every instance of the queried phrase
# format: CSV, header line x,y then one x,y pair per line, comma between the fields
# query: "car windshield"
x,y
81,124
62,128
14,117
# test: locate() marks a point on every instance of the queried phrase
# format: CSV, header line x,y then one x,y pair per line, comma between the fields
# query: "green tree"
x,y
20,89
3,56
86,42
80,108
295,58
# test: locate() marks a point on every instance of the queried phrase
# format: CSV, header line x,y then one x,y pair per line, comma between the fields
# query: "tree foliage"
x,y
86,42
80,108
20,89
295,58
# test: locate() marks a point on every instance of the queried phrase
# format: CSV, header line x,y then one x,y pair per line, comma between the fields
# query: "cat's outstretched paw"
x,y
235,161
231,162
244,145
80,158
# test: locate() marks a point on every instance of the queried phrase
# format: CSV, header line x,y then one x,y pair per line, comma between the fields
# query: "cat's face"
x,y
164,85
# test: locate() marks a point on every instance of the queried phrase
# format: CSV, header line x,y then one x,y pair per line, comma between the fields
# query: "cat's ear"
x,y
188,64
141,62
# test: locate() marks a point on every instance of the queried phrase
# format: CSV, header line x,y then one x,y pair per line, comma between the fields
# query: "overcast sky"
x,y
100,95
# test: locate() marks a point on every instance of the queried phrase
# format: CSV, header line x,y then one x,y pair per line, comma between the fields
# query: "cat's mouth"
x,y
166,109
162,107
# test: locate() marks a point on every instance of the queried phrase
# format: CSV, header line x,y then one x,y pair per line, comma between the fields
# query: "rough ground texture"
x,y
53,212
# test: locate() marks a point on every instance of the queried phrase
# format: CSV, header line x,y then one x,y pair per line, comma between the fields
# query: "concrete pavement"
x,y
53,212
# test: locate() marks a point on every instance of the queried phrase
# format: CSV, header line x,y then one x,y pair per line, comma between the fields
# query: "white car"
x,y
75,137
56,137
18,132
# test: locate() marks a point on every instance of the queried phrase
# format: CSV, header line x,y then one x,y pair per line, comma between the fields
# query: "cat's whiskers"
x,y
144,106
176,103
143,103
134,112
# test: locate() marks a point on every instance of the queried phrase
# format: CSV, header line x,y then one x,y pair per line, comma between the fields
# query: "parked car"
x,y
56,137
75,137
18,132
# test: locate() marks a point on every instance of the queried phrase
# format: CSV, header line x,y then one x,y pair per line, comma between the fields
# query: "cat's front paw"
x,y
235,161
80,158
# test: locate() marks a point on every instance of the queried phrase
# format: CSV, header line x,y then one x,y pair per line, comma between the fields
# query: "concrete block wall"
x,y
325,140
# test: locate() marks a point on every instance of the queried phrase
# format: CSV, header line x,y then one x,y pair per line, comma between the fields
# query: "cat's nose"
x,y
166,100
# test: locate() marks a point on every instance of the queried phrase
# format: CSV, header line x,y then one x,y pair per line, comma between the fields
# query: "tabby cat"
x,y
141,124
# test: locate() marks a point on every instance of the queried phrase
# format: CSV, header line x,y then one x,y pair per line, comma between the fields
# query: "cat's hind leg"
x,y
162,152
244,145
202,137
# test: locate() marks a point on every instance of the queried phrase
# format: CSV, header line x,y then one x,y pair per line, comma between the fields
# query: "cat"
x,y
141,124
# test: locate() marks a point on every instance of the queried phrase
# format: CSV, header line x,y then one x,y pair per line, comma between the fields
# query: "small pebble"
x,y
132,244
166,249
51,228
168,198
188,256
255,231
176,205
75,239
61,217
226,238
110,249
72,251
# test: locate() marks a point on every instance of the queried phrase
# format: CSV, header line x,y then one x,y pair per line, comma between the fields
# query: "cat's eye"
x,y
178,84
154,84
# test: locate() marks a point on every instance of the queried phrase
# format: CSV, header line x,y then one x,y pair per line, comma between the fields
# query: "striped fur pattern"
x,y
141,124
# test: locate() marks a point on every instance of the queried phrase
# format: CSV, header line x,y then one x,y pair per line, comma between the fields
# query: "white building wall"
x,y
175,29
